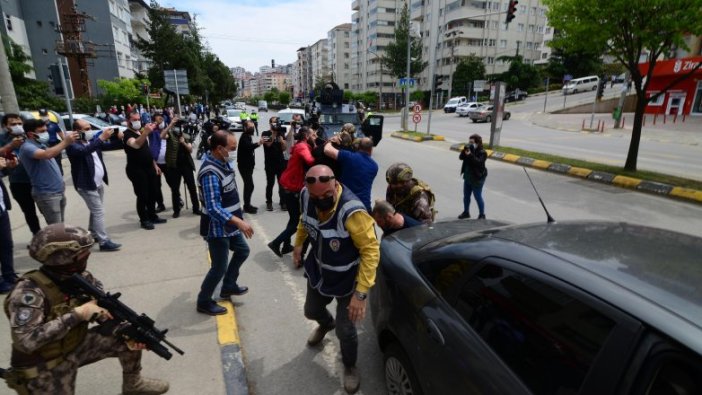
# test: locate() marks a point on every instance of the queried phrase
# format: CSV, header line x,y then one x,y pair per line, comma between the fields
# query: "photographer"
x,y
273,148
179,164
474,174
90,176
246,160
157,146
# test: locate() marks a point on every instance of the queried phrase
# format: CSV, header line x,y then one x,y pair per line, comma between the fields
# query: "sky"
x,y
249,33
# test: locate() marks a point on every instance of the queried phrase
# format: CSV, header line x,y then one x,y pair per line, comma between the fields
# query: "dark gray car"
x,y
482,307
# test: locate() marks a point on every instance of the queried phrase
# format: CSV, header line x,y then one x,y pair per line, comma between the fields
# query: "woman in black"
x,y
474,175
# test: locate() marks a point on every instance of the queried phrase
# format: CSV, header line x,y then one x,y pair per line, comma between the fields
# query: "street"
x,y
159,272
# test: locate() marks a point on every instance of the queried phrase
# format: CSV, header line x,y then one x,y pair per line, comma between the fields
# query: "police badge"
x,y
334,244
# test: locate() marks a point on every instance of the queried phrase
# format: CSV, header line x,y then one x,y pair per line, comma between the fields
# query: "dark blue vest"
x,y
332,265
229,194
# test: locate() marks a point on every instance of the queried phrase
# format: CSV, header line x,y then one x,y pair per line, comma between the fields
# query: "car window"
x,y
547,337
673,374
233,113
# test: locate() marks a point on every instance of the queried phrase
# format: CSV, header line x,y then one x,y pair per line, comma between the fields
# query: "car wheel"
x,y
474,120
399,374
507,115
488,119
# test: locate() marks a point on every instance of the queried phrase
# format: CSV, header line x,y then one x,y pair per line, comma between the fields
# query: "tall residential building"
x,y
140,22
181,20
339,39
372,29
546,50
319,61
302,74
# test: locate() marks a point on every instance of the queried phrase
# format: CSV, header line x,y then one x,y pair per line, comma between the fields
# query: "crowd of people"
x,y
324,185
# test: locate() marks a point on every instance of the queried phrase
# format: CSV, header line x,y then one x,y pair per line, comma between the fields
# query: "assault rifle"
x,y
139,328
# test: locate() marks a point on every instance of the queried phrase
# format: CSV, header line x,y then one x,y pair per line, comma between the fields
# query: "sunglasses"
x,y
321,179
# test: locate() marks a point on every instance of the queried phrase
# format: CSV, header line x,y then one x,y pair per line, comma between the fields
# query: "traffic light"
x,y
600,88
438,80
511,10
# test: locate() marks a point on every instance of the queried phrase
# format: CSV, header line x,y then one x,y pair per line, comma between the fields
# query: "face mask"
x,y
45,119
43,138
162,125
87,136
231,157
136,125
323,204
17,130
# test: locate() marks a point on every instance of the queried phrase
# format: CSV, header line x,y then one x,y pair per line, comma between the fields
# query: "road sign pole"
x,y
546,96
594,103
175,77
66,94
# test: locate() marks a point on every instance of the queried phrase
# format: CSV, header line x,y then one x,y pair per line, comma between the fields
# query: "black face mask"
x,y
323,204
250,130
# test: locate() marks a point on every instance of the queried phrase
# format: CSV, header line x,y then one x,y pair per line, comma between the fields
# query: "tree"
x,y
31,94
395,58
270,96
123,90
284,98
577,63
628,31
519,75
469,69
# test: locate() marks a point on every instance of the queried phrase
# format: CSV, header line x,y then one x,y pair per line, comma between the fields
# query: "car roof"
x,y
291,110
650,273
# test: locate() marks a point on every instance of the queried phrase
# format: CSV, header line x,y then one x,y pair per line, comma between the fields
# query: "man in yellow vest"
x,y
254,117
50,334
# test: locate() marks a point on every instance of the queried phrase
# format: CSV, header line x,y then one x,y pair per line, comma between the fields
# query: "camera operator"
x,y
273,148
179,164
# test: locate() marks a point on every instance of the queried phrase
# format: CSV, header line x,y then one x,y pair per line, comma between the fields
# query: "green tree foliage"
x,y
31,94
123,90
169,50
284,98
520,75
270,96
629,31
395,58
469,69
578,63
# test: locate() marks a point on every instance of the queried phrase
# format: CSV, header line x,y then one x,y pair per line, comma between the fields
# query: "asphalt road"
x,y
160,271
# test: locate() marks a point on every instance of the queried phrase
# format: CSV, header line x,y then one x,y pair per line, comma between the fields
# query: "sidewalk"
x,y
688,132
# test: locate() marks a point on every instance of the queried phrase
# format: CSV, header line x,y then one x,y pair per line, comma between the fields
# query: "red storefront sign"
x,y
685,97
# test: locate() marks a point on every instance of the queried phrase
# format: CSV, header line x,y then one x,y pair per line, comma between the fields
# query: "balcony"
x,y
75,47
355,5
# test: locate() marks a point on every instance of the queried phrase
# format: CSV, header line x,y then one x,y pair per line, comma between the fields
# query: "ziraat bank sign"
x,y
673,66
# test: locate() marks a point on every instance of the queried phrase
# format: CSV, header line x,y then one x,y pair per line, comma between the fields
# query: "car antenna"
x,y
549,218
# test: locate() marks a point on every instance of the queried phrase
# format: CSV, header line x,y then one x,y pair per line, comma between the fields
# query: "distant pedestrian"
x,y
273,148
246,160
474,174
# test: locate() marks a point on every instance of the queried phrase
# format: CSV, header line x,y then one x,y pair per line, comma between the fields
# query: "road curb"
x,y
417,139
636,184
233,368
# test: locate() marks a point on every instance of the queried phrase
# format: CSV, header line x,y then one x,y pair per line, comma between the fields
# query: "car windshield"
x,y
96,122
452,101
338,119
286,117
233,113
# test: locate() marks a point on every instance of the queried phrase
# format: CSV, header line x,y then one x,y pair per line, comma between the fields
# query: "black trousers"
x,y
247,176
173,177
22,193
6,247
145,183
292,200
159,193
271,176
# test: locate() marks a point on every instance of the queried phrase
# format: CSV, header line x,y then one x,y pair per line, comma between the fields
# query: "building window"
x,y
530,45
520,27
659,100
8,22
492,43
531,28
533,10
490,60
522,9
503,43
548,30
544,55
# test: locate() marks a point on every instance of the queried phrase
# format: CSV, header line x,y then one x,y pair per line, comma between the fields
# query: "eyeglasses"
x,y
321,179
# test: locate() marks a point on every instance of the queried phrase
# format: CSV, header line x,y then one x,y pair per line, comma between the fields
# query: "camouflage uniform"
x,y
415,199
50,341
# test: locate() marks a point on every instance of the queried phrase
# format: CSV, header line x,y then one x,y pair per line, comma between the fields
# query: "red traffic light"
x,y
511,10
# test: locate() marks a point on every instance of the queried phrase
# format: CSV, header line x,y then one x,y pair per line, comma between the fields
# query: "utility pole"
x,y
8,98
620,106
405,119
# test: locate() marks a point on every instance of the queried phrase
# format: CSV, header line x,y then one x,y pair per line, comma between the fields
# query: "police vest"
x,y
254,117
244,116
56,305
332,266
228,192
406,203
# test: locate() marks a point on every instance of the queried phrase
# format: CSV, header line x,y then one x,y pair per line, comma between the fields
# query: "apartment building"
x,y
319,61
302,74
339,41
140,22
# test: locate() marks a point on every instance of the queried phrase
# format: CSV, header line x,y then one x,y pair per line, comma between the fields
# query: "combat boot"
x,y
135,384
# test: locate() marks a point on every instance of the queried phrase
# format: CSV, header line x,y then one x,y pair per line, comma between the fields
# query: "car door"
x,y
373,127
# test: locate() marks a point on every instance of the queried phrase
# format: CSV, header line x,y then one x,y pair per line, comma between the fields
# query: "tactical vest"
x,y
228,193
58,305
332,265
406,204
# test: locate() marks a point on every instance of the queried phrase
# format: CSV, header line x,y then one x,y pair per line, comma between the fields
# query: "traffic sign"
x,y
417,108
567,77
176,81
417,118
403,82
479,85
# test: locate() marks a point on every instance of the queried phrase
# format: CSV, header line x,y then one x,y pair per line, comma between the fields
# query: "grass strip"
x,y
642,174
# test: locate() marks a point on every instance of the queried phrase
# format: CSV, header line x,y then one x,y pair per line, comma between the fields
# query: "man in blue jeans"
x,y
47,181
222,223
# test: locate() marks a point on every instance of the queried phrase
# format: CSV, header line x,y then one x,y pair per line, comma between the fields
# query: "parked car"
x,y
232,116
112,119
482,307
96,124
484,114
262,106
515,95
463,109
240,105
453,103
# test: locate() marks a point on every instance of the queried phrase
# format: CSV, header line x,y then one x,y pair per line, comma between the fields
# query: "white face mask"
x,y
89,135
43,138
136,125
231,158
162,125
45,119
17,130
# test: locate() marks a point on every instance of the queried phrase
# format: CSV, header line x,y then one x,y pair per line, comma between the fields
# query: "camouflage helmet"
x,y
349,128
398,172
57,244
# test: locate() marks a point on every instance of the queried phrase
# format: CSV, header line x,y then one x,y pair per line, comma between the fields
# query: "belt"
x,y
33,372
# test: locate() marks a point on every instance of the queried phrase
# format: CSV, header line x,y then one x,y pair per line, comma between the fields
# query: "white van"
x,y
453,103
582,84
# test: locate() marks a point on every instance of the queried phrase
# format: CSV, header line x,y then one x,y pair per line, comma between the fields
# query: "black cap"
x,y
43,112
